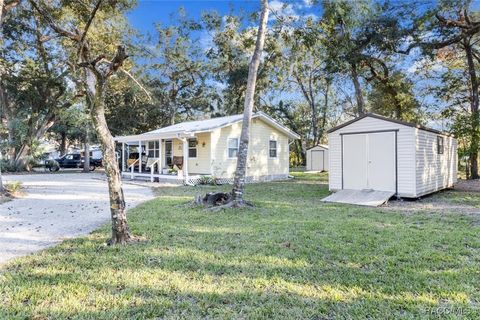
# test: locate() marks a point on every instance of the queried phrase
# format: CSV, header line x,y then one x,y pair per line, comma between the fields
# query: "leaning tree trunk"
x,y
239,181
2,107
96,102
358,90
475,121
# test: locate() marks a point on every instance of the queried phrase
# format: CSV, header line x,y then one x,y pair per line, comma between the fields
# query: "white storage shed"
x,y
372,152
317,158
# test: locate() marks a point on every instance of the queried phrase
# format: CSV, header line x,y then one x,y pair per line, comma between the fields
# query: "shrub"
x,y
6,166
208,180
13,187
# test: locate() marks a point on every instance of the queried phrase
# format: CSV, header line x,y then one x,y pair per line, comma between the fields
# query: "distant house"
x,y
372,152
187,151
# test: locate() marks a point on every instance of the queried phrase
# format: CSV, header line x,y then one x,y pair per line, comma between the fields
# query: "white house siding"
x,y
259,165
434,171
405,152
201,164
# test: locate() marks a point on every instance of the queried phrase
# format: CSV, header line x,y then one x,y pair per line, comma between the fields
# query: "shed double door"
x,y
369,161
317,160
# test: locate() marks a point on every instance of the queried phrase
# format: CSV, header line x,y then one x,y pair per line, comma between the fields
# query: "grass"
x,y
461,198
292,257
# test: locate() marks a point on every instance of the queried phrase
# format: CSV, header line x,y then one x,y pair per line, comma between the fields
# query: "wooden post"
x,y
139,156
185,159
131,171
123,156
159,165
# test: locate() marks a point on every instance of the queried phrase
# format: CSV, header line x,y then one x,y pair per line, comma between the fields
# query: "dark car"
x,y
71,160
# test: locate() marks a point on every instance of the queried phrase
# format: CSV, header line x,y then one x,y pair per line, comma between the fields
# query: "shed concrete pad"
x,y
372,198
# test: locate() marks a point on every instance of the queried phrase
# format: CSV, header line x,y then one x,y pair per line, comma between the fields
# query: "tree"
x,y
96,74
305,64
5,6
229,53
393,97
453,26
240,173
179,82
341,25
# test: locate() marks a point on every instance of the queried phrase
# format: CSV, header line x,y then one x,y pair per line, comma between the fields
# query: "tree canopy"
x,y
323,62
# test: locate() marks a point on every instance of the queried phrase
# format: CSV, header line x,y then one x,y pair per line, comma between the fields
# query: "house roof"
x,y
191,127
319,145
377,116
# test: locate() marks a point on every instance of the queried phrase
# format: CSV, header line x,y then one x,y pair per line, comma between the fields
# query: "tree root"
x,y
217,201
122,240
232,204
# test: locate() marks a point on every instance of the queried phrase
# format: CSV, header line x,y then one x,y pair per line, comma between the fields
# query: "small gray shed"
x,y
372,152
317,158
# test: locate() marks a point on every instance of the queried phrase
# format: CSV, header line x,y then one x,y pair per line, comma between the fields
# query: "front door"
x,y
369,161
168,153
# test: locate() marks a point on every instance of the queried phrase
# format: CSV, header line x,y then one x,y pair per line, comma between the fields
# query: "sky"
x,y
149,12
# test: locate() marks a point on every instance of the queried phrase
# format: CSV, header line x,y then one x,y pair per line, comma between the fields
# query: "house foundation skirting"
x,y
198,179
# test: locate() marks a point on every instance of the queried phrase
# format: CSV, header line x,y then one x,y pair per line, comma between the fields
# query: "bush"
x,y
13,187
6,166
207,180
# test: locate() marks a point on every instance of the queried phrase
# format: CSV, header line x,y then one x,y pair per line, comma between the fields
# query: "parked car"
x,y
71,160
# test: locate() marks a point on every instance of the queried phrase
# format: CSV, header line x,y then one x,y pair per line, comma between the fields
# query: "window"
x,y
153,149
232,147
192,148
440,145
272,152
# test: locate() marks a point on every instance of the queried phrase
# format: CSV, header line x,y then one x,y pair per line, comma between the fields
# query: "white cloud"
x,y
308,3
282,10
426,64
206,40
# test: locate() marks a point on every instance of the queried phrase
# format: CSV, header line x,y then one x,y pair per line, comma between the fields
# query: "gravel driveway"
x,y
56,207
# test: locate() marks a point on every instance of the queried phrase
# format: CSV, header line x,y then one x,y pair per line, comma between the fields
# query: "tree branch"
x,y
65,33
138,83
87,27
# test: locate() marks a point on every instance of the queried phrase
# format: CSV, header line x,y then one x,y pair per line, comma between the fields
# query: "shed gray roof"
x,y
319,145
377,116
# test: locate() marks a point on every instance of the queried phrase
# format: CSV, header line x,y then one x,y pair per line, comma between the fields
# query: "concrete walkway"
x,y
56,207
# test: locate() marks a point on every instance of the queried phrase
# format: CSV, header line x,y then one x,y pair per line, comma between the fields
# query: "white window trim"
x,y
276,149
196,148
156,151
228,147
440,138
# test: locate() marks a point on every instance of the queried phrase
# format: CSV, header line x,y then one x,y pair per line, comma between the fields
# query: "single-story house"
x,y
186,151
378,153
317,158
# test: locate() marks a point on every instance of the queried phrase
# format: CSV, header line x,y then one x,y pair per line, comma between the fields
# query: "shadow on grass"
x,y
292,257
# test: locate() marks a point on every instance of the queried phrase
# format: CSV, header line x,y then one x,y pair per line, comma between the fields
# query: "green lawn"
x,y
291,257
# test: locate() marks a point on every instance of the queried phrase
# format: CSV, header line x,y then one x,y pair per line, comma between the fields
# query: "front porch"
x,y
179,159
